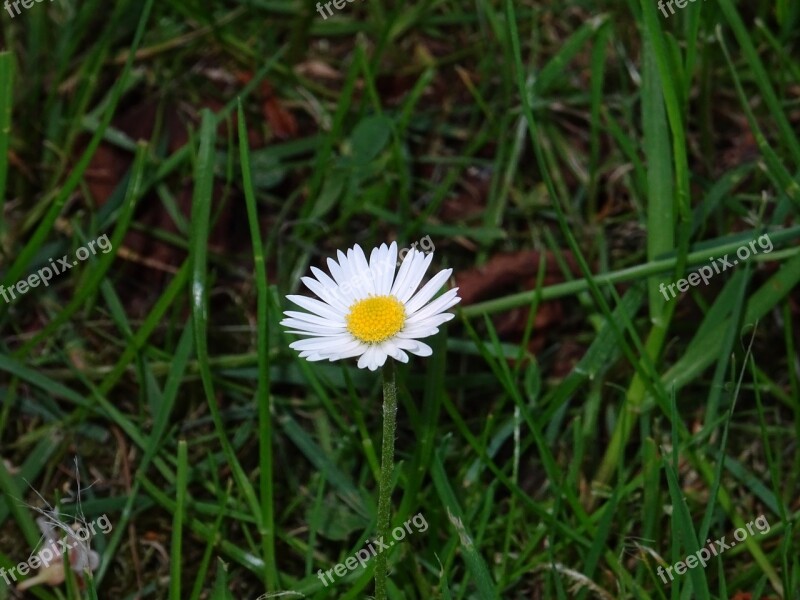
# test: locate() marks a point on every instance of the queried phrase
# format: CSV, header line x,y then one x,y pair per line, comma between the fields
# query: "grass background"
x,y
573,429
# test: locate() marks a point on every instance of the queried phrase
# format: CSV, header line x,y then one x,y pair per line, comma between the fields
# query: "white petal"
x,y
405,267
346,266
307,329
384,272
366,359
321,334
304,325
375,259
373,358
427,292
361,268
316,328
341,257
425,328
413,346
391,267
351,284
354,279
442,303
356,351
309,318
392,350
417,333
331,296
340,342
422,349
434,321
405,344
415,275
318,308
324,278
380,357
340,293
336,271
379,268
400,355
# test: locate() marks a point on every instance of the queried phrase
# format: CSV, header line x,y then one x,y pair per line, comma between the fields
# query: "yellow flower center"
x,y
376,319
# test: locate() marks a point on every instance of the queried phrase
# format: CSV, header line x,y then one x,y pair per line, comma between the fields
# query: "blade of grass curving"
x,y
691,30
712,497
474,561
727,344
683,529
600,541
651,490
263,395
221,590
553,71
660,207
598,66
91,587
654,33
36,378
787,61
201,217
202,571
178,517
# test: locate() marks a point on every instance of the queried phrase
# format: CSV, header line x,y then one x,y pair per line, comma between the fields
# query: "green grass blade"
x,y
176,554
201,217
474,561
263,395
6,105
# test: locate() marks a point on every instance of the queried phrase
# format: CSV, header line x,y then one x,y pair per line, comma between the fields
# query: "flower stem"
x,y
387,468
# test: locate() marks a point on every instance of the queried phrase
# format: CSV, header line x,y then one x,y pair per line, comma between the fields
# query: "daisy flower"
x,y
365,310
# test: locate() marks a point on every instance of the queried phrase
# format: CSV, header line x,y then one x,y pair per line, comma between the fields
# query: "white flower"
x,y
367,311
